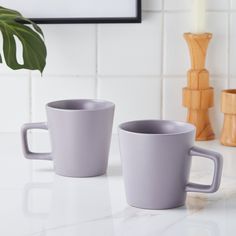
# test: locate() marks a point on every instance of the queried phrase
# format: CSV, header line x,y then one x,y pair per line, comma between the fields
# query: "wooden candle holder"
x,y
198,97
228,107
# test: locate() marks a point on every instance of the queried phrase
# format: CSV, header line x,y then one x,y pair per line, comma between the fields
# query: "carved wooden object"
x,y
198,96
228,107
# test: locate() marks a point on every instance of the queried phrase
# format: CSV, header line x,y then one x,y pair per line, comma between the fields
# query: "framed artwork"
x,y
77,11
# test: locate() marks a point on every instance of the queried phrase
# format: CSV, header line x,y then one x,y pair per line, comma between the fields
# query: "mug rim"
x,y
191,127
108,103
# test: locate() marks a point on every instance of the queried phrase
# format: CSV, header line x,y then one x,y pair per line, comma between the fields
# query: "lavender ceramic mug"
x,y
156,158
80,134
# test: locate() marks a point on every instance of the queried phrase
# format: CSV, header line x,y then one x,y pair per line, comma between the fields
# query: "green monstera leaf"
x,y
13,25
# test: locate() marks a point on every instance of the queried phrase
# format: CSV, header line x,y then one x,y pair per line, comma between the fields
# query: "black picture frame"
x,y
107,20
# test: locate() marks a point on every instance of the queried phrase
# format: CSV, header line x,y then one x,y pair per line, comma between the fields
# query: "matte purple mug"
x,y
156,157
80,134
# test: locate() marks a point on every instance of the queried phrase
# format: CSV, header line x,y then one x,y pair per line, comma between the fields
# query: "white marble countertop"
x,y
34,201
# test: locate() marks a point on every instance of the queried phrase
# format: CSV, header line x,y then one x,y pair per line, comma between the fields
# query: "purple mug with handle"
x,y
80,134
156,157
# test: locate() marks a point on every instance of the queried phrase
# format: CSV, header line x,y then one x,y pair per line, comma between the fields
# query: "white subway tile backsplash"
x,y
6,71
177,4
233,4
176,54
48,89
218,4
172,99
71,49
187,4
232,52
140,67
135,98
216,116
232,83
152,5
217,58
14,102
131,49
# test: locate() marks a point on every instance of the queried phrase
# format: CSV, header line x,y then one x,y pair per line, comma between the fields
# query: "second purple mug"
x,y
156,157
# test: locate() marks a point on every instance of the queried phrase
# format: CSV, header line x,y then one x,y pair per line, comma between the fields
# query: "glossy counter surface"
x,y
34,201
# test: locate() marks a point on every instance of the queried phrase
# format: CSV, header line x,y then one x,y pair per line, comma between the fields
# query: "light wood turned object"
x,y
228,107
198,96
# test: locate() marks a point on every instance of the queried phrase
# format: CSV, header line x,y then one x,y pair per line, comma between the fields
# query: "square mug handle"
x,y
27,153
218,165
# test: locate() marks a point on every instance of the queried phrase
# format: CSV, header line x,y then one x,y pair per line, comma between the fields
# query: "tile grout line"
x,y
168,76
30,97
96,62
162,62
30,118
229,44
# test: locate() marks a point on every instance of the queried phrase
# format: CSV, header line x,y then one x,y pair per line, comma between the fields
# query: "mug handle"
x,y
218,165
27,153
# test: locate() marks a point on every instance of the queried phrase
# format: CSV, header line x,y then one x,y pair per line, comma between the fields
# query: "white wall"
x,y
141,67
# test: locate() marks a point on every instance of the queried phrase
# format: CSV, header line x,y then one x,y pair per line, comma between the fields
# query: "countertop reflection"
x,y
35,201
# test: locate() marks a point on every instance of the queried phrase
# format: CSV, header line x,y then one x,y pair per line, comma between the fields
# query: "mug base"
x,y
81,176
157,208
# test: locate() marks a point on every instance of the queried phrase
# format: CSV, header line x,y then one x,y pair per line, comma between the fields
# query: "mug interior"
x,y
158,127
81,104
